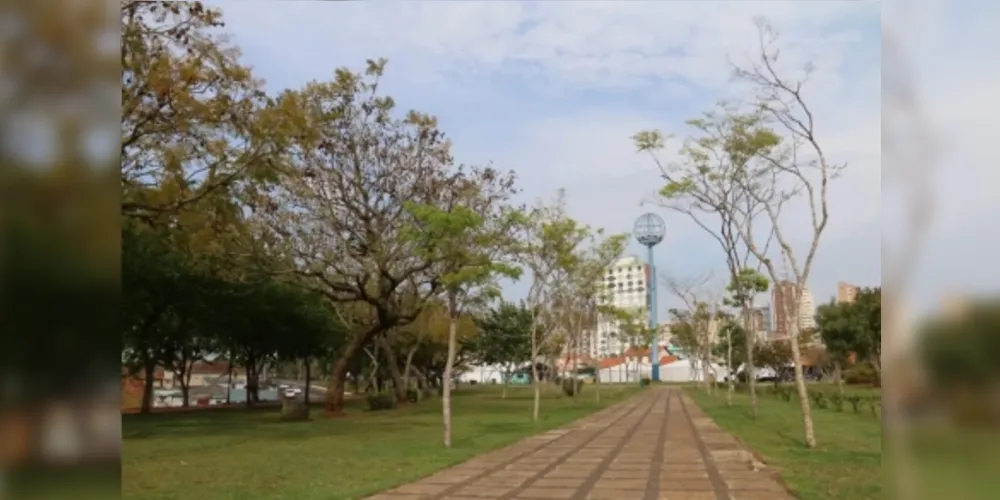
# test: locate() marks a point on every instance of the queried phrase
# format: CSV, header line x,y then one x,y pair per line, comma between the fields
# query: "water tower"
x,y
649,230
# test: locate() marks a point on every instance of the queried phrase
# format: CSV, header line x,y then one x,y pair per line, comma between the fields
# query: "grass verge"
x,y
845,465
229,454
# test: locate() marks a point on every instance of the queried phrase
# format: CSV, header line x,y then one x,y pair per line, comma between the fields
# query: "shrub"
x,y
784,393
381,401
644,381
572,386
861,374
819,399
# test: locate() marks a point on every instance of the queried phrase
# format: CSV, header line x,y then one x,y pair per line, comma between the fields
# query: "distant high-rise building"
x,y
625,286
768,318
782,299
846,292
783,302
760,322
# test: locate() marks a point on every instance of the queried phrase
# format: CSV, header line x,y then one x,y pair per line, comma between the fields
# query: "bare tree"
x,y
692,293
701,187
799,165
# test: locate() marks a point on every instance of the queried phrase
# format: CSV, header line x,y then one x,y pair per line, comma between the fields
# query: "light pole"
x,y
649,230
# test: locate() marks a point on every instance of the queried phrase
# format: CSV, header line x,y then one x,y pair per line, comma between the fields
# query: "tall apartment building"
x,y
783,301
626,286
846,292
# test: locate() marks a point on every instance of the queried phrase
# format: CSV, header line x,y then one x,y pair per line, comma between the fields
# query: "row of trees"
x,y
847,334
320,226
745,164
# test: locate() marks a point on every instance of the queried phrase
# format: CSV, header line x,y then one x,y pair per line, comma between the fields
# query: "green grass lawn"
x,y
845,465
241,454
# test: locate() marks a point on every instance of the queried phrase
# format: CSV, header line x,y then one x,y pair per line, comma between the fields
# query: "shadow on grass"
x,y
424,416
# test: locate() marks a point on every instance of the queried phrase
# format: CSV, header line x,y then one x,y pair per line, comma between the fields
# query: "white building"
x,y
633,368
625,286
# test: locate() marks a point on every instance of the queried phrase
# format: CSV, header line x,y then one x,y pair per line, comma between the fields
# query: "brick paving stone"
x,y
486,491
420,488
688,495
621,484
547,493
558,482
657,445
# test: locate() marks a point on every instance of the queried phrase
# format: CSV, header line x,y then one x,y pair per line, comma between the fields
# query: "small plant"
x,y
819,399
381,401
644,381
837,401
572,386
875,403
855,401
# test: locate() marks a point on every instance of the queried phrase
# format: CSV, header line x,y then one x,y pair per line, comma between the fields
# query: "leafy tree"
x,y
742,289
853,328
194,120
472,239
777,356
838,330
576,304
868,307
340,213
504,338
548,249
156,278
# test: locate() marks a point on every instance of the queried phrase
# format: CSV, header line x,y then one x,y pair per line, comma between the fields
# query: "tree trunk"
x,y
838,374
506,380
729,366
399,387
149,371
705,365
335,388
253,379
751,342
575,352
448,367
408,366
423,385
534,374
308,370
800,382
229,372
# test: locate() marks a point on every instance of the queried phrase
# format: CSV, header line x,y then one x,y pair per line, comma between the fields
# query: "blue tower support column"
x,y
654,355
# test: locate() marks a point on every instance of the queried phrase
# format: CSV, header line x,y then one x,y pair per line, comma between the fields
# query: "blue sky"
x,y
554,90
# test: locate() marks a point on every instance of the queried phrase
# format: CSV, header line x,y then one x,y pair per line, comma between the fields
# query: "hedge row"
x,y
826,399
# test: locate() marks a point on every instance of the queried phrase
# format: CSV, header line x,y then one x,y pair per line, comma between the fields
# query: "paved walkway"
x,y
657,445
